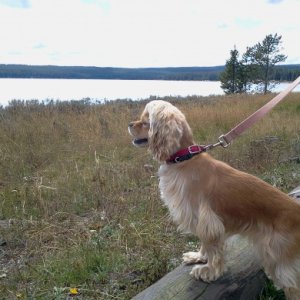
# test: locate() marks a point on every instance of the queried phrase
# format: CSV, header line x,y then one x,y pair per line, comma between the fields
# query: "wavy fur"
x,y
213,201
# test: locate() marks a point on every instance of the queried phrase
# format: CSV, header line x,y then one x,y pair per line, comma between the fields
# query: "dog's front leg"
x,y
199,257
214,267
211,232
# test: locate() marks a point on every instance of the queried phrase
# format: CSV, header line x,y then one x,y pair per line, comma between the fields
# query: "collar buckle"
x,y
186,153
193,149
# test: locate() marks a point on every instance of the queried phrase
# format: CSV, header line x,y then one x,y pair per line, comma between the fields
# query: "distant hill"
x,y
283,72
183,73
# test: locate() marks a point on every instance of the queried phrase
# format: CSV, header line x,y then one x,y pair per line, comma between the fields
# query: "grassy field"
x,y
79,210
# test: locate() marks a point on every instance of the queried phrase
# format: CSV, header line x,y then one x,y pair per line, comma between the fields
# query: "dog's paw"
x,y
193,258
206,273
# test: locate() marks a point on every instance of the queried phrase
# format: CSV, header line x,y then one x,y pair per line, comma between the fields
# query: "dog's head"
x,y
163,128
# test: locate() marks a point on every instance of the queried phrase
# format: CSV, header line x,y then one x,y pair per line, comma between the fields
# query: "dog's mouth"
x,y
140,142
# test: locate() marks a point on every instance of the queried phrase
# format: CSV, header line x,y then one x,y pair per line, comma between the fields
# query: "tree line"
x,y
256,70
281,73
81,72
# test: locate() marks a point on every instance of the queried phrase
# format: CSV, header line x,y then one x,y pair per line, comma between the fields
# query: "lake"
x,y
77,89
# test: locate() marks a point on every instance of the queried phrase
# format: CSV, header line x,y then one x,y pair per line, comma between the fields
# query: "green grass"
x,y
78,208
271,293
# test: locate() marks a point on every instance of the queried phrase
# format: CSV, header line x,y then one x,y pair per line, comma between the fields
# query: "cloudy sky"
x,y
142,33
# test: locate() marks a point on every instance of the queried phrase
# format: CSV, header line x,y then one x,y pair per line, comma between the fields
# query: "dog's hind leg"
x,y
292,293
286,276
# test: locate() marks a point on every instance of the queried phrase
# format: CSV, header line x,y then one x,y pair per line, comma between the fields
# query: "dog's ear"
x,y
165,133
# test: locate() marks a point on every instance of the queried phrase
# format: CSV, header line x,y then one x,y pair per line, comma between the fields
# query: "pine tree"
x,y
232,78
259,60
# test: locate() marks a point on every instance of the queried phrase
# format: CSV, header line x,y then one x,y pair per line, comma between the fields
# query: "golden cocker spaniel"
x,y
213,201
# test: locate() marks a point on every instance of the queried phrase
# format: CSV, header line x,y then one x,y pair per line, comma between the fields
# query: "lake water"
x,y
77,89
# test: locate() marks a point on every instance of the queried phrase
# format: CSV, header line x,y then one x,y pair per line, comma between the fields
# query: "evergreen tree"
x,y
232,76
259,60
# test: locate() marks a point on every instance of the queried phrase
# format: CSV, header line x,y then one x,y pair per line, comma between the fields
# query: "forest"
x,y
83,72
281,72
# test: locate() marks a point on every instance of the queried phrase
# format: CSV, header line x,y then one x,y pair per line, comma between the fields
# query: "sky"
x,y
142,33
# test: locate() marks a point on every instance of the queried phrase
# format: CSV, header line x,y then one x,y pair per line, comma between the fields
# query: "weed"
x,y
270,292
79,210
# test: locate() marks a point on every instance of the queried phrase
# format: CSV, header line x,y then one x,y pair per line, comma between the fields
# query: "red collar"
x,y
185,154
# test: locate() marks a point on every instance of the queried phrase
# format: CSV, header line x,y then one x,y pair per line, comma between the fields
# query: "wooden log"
x,y
243,279
295,193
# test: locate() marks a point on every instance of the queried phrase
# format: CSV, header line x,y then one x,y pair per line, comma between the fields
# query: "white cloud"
x,y
142,32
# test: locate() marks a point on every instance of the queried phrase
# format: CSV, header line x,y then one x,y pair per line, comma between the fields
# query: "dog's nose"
x,y
130,124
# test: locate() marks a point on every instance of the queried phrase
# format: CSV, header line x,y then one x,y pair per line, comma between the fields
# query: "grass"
x,y
78,209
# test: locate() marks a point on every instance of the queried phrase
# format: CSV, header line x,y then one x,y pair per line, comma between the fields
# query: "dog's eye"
x,y
145,124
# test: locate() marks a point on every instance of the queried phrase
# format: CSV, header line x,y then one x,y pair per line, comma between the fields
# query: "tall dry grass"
x,y
77,207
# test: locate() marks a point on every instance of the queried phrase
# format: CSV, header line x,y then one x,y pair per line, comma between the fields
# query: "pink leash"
x,y
226,139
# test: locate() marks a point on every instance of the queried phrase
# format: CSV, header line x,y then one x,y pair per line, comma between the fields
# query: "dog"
x,y
210,199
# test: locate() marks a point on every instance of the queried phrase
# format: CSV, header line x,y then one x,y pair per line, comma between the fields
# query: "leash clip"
x,y
223,142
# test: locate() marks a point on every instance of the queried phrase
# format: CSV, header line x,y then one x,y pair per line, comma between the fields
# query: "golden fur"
x,y
213,201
